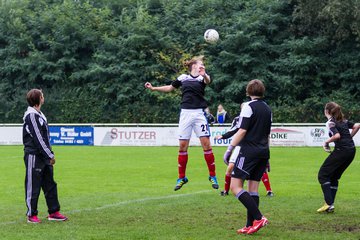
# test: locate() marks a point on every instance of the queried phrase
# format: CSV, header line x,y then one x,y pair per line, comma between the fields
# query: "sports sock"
x,y
227,182
182,161
266,181
333,192
334,187
327,193
256,198
210,161
250,204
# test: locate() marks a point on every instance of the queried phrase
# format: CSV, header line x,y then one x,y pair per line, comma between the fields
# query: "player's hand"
x,y
148,85
227,154
202,71
217,137
52,161
326,147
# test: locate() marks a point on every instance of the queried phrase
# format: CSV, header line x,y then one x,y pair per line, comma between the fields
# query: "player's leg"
x,y
33,180
247,200
182,162
185,130
229,169
183,157
242,170
334,180
210,160
253,188
49,187
266,181
326,173
202,131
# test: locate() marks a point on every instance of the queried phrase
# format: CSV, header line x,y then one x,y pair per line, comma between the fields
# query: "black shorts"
x,y
249,168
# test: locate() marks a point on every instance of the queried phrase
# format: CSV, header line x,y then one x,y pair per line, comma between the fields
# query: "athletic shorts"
x,y
234,154
248,168
193,119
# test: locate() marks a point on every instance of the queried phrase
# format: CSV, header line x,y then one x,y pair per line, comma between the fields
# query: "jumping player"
x,y
340,158
39,160
192,117
265,177
253,138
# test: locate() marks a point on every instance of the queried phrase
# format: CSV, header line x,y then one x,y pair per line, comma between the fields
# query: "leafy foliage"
x,y
91,58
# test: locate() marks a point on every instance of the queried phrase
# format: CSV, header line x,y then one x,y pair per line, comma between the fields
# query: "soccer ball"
x,y
211,36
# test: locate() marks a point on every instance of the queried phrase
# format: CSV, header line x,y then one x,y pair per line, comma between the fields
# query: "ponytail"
x,y
334,110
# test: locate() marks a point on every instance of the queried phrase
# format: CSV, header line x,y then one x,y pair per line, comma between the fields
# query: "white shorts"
x,y
234,154
193,119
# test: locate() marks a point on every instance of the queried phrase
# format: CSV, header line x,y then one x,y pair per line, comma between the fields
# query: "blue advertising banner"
x,y
71,135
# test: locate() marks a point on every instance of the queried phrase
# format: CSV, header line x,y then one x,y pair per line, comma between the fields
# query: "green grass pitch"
x,y
127,193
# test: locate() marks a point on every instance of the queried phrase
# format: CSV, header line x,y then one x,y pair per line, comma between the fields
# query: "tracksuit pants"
x,y
39,176
335,165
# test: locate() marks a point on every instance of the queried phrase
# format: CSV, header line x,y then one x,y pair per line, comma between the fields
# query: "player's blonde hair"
x,y
190,63
334,110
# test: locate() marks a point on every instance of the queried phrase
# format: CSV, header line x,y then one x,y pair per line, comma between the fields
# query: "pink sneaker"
x,y
57,216
243,230
257,224
33,219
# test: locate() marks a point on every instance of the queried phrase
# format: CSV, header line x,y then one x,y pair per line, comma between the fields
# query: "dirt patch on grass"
x,y
346,228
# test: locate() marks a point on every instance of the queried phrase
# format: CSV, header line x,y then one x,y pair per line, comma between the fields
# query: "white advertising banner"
x,y
149,136
10,135
168,136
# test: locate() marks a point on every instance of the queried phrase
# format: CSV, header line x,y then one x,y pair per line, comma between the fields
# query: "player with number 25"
x,y
192,116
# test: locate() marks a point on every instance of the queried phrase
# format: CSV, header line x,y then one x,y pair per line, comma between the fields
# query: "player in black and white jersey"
x,y
230,165
39,160
265,177
340,158
192,116
253,138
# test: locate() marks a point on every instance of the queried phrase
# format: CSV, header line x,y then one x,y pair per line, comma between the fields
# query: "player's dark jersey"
x,y
256,118
36,138
193,91
345,141
234,128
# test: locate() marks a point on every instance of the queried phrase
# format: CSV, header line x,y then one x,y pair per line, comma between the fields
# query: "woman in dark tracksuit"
x,y
39,160
340,158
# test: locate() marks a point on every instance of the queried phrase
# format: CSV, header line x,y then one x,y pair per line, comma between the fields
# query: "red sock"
x,y
227,182
210,161
182,161
266,181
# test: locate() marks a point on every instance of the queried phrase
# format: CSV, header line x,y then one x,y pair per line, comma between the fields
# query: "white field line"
x,y
137,201
117,204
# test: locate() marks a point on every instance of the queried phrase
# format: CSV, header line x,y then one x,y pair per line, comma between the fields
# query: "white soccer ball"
x,y
211,36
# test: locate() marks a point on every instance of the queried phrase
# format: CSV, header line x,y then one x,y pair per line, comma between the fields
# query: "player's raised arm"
x,y
202,72
166,88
